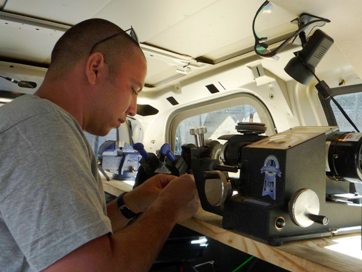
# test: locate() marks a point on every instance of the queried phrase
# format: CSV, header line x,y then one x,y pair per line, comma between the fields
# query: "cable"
x,y
260,45
243,264
326,95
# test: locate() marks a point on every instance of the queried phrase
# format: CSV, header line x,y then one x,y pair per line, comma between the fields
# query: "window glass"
x,y
114,151
222,121
352,105
128,133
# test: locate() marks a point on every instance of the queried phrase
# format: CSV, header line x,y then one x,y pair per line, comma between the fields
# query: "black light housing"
x,y
21,83
302,66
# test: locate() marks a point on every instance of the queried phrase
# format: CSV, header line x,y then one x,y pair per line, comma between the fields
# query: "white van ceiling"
x,y
180,38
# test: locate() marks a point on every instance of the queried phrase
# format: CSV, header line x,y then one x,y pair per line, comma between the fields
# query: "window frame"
x,y
227,101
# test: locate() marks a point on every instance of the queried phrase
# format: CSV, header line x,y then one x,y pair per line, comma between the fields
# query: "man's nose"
x,y
132,109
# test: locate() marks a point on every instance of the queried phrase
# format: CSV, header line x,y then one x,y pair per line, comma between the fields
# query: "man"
x,y
52,210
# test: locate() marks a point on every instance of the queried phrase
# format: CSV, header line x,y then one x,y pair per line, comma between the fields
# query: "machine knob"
x,y
304,208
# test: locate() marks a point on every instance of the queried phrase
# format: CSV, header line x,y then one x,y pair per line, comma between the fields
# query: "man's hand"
x,y
179,198
179,193
140,198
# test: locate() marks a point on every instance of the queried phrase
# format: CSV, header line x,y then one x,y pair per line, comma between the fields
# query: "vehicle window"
x,y
222,121
114,151
352,105
128,133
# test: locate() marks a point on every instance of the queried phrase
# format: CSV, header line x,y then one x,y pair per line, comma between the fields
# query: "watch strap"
x,y
125,211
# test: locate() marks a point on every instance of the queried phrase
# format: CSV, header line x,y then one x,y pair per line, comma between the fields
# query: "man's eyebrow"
x,y
138,84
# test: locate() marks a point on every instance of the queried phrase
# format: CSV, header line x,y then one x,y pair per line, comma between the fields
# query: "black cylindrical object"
x,y
345,155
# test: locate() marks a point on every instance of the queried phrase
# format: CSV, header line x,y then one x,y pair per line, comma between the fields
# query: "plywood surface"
x,y
319,255
308,255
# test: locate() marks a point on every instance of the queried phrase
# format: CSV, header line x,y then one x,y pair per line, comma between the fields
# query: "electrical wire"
x,y
335,102
237,269
259,42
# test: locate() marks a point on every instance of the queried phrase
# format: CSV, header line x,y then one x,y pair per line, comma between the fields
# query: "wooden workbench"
x,y
323,254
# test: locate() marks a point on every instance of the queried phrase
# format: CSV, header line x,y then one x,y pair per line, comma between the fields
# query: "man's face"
x,y
118,95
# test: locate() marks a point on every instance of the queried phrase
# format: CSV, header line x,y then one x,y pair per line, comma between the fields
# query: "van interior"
x,y
260,100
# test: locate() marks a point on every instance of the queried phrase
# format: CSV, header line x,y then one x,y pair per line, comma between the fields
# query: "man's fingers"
x,y
165,179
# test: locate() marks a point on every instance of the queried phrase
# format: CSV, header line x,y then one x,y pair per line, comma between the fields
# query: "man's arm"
x,y
138,200
118,221
135,247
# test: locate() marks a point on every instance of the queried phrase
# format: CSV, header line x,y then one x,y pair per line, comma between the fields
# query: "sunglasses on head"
x,y
131,33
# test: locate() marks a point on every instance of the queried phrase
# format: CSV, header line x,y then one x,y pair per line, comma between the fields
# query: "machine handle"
x,y
141,149
166,151
321,219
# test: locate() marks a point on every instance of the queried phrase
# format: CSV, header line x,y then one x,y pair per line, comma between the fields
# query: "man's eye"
x,y
134,91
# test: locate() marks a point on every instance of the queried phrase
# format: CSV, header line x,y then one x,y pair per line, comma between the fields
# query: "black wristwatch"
x,y
126,212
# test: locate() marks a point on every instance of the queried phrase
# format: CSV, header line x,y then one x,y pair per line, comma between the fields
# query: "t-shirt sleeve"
x,y
52,201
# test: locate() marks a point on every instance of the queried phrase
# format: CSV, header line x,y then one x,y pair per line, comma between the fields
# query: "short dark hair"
x,y
78,40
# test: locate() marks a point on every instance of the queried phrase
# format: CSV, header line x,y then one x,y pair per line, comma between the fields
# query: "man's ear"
x,y
94,66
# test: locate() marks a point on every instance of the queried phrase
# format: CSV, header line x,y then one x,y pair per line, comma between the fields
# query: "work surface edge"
x,y
308,255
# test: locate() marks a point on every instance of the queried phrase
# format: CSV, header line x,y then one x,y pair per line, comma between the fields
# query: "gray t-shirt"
x,y
51,197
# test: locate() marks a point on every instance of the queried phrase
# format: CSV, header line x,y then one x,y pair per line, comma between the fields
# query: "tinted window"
x,y
352,105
